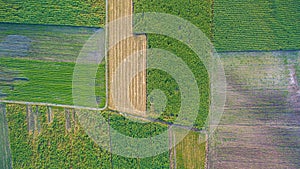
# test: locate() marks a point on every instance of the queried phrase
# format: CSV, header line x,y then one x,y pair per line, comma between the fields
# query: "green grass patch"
x,y
256,25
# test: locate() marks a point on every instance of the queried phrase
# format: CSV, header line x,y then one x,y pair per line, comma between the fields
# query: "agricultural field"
x,y
197,12
55,144
256,25
5,155
53,44
62,142
262,98
190,152
298,67
128,49
157,79
46,63
269,69
66,12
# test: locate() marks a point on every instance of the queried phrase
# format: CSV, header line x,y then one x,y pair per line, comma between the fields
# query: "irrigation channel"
x,y
260,127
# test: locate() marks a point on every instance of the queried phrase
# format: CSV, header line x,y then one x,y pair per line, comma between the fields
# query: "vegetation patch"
x,y
66,12
48,81
56,145
200,14
191,151
47,64
256,25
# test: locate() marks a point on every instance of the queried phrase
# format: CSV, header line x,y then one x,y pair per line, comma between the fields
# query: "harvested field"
x,y
259,128
127,90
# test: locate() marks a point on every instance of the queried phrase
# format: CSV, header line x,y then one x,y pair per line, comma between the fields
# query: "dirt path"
x,y
260,126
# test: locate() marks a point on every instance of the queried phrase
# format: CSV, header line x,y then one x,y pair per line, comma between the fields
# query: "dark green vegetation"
x,y
157,79
200,14
49,64
57,147
256,25
5,155
61,12
138,130
197,12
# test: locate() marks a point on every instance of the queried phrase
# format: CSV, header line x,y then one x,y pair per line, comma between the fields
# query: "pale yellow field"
x,y
127,91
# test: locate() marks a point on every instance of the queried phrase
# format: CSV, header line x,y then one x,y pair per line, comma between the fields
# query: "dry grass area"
x,y
126,57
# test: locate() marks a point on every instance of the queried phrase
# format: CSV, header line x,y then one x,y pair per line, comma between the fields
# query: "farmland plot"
x,y
40,67
5,160
256,25
126,91
260,125
62,142
67,12
198,13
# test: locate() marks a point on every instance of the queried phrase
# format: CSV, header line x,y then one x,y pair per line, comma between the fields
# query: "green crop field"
x,y
63,44
200,14
256,25
48,64
57,147
52,85
62,12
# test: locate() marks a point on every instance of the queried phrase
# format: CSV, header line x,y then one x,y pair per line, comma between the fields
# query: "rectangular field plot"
x,y
64,143
190,152
67,12
37,62
260,124
256,25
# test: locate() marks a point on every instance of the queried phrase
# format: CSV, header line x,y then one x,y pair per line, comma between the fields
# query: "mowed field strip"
x,y
127,92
